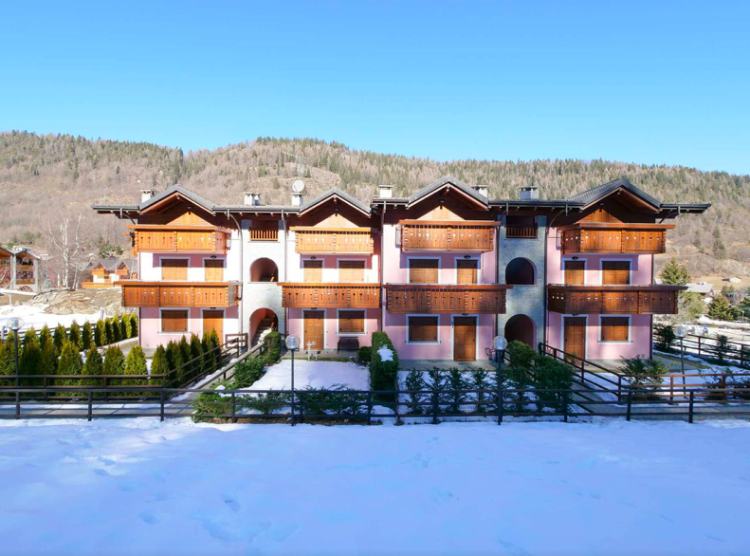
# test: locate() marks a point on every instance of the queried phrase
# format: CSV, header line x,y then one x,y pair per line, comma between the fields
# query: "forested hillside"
x,y
45,178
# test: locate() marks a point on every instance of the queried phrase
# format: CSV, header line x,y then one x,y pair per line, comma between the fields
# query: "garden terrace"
x,y
319,295
655,299
411,298
180,294
608,237
179,239
333,241
447,235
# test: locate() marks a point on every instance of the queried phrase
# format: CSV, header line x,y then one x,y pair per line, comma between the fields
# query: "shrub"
x,y
70,362
723,348
436,387
336,400
108,331
114,361
520,355
30,337
519,372
75,335
665,336
187,373
48,359
123,324
383,372
480,380
215,344
454,386
100,334
268,404
196,352
174,360
551,374
92,367
209,361
133,325
115,322
127,325
415,384
211,405
86,336
644,372
8,357
159,365
135,364
29,363
59,337
45,335
273,347
248,371
364,355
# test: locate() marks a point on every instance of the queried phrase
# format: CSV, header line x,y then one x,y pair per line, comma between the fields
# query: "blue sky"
x,y
649,82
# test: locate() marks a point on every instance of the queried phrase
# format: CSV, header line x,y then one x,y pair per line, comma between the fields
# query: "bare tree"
x,y
66,241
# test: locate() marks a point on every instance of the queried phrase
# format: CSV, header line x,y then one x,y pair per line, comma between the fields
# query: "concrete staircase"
x,y
264,328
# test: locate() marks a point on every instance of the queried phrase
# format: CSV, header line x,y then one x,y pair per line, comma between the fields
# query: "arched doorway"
x,y
264,270
521,328
262,321
520,272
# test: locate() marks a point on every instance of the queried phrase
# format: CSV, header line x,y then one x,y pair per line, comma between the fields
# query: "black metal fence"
x,y
709,348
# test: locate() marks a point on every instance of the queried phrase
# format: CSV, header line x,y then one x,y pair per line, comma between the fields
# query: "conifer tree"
x,y
86,336
114,361
174,360
216,347
100,334
187,370
92,367
8,356
196,351
116,336
29,364
122,322
133,325
108,333
70,362
721,309
674,273
59,337
30,336
75,334
48,359
136,365
45,335
159,365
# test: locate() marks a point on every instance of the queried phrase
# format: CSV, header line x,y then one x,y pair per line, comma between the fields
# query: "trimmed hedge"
x,y
273,347
383,373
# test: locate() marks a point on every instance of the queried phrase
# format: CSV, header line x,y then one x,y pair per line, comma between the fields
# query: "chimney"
x,y
385,191
483,190
146,194
529,193
252,199
296,199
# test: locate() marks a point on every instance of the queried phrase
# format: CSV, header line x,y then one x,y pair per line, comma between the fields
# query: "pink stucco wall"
x,y
331,334
151,335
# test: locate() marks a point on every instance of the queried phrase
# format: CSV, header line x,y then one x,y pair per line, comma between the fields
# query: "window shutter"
x,y
616,273
174,269
174,321
423,271
423,329
313,271
614,329
352,322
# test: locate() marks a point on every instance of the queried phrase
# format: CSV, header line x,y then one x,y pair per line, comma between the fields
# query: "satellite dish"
x,y
298,186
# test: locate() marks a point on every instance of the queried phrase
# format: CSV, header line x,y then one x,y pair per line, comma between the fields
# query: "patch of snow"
x,y
159,488
34,315
385,353
318,374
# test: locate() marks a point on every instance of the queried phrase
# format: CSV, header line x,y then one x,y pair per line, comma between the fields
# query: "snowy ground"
x,y
34,315
319,374
140,487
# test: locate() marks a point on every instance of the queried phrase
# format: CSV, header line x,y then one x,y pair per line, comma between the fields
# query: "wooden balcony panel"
x,y
521,232
312,295
652,299
447,235
332,241
179,239
604,237
413,298
173,294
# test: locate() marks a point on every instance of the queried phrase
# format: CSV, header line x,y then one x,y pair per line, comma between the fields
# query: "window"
x,y
615,329
351,322
466,271
174,321
574,272
313,271
520,227
423,271
422,329
174,269
616,273
351,271
214,270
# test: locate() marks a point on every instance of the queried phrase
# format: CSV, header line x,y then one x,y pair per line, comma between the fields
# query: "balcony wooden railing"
x,y
310,295
332,241
264,234
447,235
419,298
521,232
604,237
180,294
654,299
179,239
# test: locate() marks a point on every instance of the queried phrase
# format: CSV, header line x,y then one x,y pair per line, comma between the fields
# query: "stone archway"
x,y
264,270
521,328
520,272
262,321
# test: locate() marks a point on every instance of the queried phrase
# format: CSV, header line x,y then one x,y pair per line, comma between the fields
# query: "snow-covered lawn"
x,y
140,487
319,374
34,315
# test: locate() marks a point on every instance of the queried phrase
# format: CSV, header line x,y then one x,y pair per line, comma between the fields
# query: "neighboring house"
x,y
705,290
442,271
20,269
108,271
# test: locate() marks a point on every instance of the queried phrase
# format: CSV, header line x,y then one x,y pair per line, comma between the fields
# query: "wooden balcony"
x,y
605,237
312,295
333,241
654,299
418,298
180,294
179,239
447,235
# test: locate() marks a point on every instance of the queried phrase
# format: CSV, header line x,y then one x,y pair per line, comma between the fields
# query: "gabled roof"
x,y
335,193
447,182
179,192
601,191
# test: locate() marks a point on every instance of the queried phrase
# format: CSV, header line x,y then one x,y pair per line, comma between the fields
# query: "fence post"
x,y
690,410
18,405
699,345
566,396
398,402
161,403
630,403
91,409
369,407
234,414
435,404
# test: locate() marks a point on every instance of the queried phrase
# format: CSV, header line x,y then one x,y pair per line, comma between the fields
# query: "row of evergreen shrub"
x,y
39,354
184,361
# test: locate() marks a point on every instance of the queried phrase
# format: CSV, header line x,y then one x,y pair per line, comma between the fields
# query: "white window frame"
x,y
338,323
615,260
189,319
338,268
579,259
479,268
439,323
630,332
408,269
453,334
169,258
562,332
223,266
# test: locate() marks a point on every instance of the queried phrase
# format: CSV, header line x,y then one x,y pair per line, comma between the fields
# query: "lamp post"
x,y
500,343
292,344
15,324
681,333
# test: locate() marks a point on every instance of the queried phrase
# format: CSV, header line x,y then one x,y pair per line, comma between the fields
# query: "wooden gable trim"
x,y
450,188
173,199
333,199
627,197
